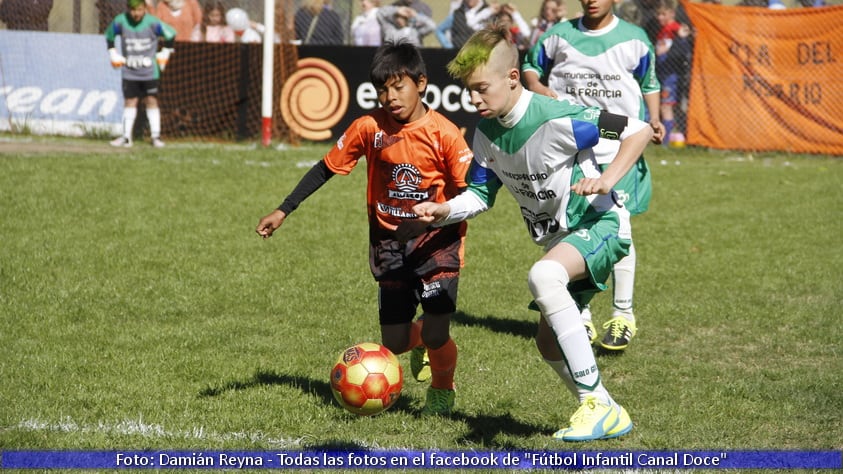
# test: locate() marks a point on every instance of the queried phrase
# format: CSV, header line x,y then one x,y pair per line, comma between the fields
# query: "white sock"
x,y
623,285
154,117
129,116
585,314
548,280
578,356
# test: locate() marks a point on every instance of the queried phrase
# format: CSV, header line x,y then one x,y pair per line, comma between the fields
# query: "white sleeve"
x,y
633,125
464,206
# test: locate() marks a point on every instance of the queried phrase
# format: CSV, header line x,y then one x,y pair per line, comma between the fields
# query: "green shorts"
x,y
635,188
601,246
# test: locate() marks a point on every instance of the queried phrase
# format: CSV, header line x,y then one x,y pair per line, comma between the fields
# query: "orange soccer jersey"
x,y
424,160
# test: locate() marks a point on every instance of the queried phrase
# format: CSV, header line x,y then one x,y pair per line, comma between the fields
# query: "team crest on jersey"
x,y
407,179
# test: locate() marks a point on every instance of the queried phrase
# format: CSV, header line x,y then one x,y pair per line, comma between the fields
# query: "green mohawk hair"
x,y
476,51
470,57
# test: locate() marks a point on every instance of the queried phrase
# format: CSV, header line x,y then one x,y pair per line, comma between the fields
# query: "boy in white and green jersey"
x,y
141,64
603,61
539,149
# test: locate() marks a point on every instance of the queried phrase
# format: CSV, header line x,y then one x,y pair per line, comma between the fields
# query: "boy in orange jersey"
x,y
413,154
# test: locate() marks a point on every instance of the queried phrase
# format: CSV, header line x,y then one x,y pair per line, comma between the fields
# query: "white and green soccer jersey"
x,y
139,43
536,152
611,68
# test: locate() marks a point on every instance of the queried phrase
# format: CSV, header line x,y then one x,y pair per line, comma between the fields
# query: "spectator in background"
x,y
365,29
29,15
417,5
469,18
213,28
673,54
183,15
316,23
400,24
443,29
550,13
245,30
628,11
509,17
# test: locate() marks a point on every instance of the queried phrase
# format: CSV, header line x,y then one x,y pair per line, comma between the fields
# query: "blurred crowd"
x,y
321,22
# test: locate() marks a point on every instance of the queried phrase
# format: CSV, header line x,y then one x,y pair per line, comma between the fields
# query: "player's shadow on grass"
x,y
514,327
484,429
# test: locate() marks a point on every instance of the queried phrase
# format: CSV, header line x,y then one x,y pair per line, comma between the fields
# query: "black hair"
x,y
395,60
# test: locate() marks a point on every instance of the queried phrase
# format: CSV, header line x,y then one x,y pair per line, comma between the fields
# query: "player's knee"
x,y
548,281
436,330
396,347
436,340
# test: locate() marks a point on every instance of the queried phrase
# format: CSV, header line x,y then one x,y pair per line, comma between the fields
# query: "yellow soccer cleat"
x,y
619,332
593,420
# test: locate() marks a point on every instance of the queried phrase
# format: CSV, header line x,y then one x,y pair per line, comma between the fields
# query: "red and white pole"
x,y
266,81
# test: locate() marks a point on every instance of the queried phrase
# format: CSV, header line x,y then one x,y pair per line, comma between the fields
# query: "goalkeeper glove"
x,y
162,57
117,59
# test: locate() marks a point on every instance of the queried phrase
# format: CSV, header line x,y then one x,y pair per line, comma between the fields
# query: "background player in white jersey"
x,y
535,147
141,64
601,60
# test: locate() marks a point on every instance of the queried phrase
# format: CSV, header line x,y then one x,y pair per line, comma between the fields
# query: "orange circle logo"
x,y
314,98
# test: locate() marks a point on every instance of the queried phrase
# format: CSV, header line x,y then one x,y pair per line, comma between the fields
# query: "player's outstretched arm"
x,y
631,148
270,222
431,212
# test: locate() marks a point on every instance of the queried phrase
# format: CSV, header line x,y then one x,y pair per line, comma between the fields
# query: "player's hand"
x,y
430,212
269,223
162,57
658,132
117,59
588,186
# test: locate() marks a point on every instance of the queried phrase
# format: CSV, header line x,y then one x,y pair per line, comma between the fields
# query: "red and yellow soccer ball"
x,y
367,379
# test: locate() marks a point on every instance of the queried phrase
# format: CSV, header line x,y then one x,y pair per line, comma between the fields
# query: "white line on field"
x,y
139,428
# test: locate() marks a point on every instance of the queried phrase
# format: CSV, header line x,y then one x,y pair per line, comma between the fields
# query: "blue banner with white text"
x,y
58,83
429,459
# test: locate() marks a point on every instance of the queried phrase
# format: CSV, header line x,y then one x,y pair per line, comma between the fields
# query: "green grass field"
x,y
139,310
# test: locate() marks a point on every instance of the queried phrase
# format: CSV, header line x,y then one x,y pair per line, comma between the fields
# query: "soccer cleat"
x,y
619,332
593,420
121,142
157,143
420,364
439,401
624,425
591,331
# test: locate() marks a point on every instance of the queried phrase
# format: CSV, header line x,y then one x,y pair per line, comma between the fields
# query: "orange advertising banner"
x,y
766,80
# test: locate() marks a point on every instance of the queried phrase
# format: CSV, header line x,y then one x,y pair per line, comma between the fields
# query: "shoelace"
x,y
585,411
617,326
